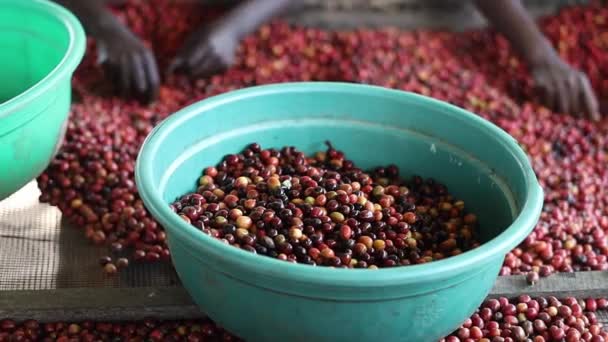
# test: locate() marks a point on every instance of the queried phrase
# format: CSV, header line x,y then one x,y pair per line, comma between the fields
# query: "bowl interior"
x,y
422,136
32,44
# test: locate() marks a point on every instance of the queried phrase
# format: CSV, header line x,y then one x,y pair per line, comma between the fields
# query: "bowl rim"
x,y
353,278
71,58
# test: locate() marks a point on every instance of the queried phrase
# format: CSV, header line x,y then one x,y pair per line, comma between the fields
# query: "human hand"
x,y
131,66
207,51
564,88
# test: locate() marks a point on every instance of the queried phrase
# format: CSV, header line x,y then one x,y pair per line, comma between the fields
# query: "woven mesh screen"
x,y
39,251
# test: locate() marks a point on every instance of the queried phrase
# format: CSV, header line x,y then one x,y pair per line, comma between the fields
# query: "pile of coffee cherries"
x,y
323,210
534,319
148,330
92,182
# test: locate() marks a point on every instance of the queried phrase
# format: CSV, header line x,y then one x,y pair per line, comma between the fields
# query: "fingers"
x,y
189,59
135,75
568,91
574,90
186,56
152,76
145,76
547,89
589,99
562,95
102,52
183,62
180,62
112,73
203,64
209,66
176,65
139,73
125,75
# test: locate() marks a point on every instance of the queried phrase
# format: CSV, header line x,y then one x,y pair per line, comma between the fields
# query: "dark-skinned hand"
x,y
130,65
207,51
565,89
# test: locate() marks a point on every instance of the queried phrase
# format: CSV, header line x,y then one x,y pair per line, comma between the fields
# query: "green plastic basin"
x,y
41,44
264,299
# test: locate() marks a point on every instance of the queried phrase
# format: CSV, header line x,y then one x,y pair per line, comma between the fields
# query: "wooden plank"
x,y
117,304
578,284
99,304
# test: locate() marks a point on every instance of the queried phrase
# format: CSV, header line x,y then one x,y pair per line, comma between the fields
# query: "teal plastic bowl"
x,y
264,299
41,44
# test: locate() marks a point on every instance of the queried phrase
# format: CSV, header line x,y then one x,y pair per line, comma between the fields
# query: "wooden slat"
x,y
579,284
98,304
175,303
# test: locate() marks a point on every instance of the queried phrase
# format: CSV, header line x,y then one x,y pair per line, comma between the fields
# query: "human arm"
x,y
211,49
565,88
